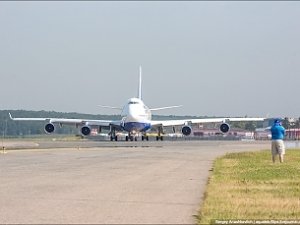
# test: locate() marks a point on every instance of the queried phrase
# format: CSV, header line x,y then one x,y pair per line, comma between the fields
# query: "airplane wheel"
x,y
157,138
135,138
147,138
131,138
143,138
161,138
126,138
116,138
111,138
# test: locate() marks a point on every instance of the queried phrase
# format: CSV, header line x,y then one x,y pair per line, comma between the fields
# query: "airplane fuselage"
x,y
136,116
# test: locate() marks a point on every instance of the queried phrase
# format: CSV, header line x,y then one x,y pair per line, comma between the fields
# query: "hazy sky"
x,y
215,58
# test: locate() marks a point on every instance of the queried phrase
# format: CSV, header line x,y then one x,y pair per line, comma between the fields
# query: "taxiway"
x,y
111,183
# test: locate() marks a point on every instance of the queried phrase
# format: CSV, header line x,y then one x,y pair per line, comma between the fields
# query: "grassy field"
x,y
45,137
248,186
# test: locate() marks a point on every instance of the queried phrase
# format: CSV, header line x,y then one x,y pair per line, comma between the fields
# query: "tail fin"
x,y
140,84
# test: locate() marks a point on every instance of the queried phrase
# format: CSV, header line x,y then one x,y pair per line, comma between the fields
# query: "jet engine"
x,y
186,130
224,127
85,130
49,128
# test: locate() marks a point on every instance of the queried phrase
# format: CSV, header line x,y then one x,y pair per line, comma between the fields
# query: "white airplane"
x,y
136,119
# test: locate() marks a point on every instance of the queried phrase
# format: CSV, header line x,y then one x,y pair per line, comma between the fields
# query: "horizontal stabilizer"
x,y
110,107
167,107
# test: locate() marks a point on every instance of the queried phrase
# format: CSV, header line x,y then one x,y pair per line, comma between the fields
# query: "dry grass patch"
x,y
248,186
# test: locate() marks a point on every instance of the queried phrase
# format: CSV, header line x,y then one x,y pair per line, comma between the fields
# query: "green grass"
x,y
249,186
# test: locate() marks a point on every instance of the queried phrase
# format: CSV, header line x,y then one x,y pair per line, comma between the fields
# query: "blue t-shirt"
x,y
277,132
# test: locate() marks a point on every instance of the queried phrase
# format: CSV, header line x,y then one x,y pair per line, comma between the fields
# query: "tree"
x,y
251,125
286,123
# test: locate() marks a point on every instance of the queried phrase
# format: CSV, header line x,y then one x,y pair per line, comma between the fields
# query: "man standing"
x,y
278,132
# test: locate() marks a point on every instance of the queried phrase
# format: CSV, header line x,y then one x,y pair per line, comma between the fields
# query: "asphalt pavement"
x,y
108,183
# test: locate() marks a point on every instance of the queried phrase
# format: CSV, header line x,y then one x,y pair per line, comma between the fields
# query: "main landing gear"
x,y
113,136
129,137
159,135
145,137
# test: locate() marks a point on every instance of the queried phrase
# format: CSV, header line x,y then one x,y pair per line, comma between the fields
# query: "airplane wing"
x,y
80,122
85,124
166,123
186,124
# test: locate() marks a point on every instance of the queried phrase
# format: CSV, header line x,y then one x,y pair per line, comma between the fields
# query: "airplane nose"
x,y
133,114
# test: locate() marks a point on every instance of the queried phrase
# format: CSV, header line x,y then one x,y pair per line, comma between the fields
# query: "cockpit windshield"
x,y
133,102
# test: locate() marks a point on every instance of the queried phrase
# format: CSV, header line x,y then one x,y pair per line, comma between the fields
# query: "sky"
x,y
219,58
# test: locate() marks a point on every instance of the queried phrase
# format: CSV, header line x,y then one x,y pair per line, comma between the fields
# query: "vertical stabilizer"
x,y
140,84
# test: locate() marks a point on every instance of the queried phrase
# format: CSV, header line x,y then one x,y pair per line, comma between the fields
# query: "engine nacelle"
x,y
49,128
186,130
224,127
85,130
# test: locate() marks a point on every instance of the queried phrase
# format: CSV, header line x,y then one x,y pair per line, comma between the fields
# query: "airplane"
x,y
136,119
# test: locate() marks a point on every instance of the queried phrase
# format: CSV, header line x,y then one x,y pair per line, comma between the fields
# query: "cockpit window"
x,y
132,102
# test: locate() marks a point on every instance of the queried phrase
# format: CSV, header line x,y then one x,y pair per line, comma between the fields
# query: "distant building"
x,y
293,134
262,134
236,133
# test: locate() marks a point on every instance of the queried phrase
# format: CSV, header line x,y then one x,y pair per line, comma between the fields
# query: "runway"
x,y
111,183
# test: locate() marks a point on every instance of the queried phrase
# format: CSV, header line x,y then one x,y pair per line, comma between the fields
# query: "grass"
x,y
248,186
45,137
